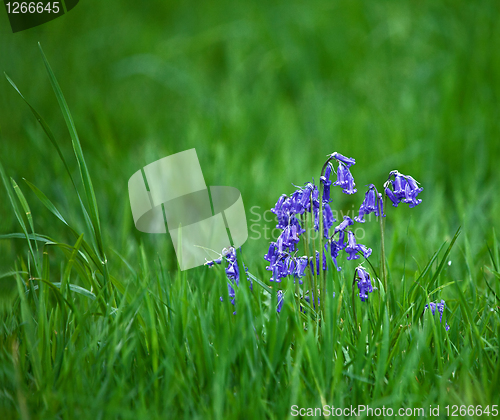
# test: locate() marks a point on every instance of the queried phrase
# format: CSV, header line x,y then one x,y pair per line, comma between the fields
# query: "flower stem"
x,y
354,301
383,271
306,246
314,298
321,227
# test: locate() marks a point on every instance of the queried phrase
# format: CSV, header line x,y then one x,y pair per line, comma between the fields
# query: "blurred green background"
x,y
263,90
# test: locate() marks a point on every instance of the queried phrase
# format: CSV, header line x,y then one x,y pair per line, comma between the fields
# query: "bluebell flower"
x,y
353,247
340,229
271,253
232,271
323,265
341,241
345,179
334,252
328,219
281,299
371,203
440,307
280,269
281,211
365,250
341,158
211,263
343,225
300,267
325,180
364,283
404,188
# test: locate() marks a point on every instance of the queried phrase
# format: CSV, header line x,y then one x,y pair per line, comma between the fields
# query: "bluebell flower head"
x,y
353,247
404,188
341,244
232,271
325,180
300,268
271,253
365,250
328,219
281,299
213,262
345,160
440,307
334,252
343,225
371,203
364,283
345,179
280,269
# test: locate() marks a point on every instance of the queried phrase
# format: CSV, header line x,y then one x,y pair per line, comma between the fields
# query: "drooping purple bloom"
x,y
392,197
404,188
314,262
271,253
341,158
334,252
341,229
371,203
232,271
411,192
353,247
364,283
440,307
341,241
280,301
325,180
280,269
343,225
345,179
328,219
213,262
300,268
365,250
288,238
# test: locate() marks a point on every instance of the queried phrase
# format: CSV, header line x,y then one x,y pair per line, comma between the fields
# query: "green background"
x,y
263,91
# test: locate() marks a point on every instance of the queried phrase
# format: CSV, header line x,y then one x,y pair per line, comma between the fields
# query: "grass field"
x,y
263,91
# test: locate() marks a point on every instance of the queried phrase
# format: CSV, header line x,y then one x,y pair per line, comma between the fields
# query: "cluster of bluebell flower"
x,y
310,206
403,188
308,235
304,206
440,307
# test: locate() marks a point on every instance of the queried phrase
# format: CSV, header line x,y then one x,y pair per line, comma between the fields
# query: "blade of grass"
x,y
82,166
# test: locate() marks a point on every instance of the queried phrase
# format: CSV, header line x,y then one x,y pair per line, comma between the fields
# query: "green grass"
x,y
104,325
